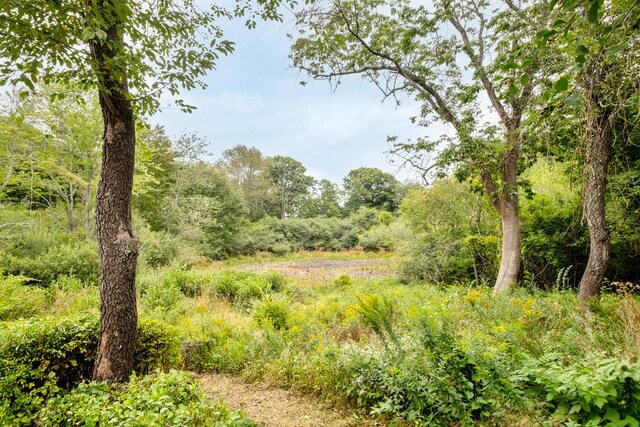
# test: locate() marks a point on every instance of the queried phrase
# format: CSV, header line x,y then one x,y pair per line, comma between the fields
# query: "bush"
x,y
276,280
39,358
157,249
78,259
432,379
280,249
18,301
272,311
162,296
242,287
171,399
595,392
188,282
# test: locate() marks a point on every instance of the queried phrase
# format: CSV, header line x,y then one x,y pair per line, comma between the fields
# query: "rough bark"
x,y
599,134
117,245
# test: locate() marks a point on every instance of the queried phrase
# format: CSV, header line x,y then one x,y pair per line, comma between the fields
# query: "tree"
x,y
288,177
206,210
131,52
247,168
460,59
323,201
371,188
602,82
156,170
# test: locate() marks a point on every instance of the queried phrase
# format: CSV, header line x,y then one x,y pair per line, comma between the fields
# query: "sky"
x,y
254,97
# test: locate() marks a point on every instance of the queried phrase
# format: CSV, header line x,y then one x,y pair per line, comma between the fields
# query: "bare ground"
x,y
275,407
323,268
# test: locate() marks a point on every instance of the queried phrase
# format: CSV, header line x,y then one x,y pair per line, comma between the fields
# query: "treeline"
x,y
242,203
246,202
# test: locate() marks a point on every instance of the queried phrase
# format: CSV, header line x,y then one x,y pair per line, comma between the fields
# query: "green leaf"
x,y
573,100
562,84
513,90
524,79
615,49
593,11
612,415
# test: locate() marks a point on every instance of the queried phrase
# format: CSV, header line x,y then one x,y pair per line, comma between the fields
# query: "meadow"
x,y
337,326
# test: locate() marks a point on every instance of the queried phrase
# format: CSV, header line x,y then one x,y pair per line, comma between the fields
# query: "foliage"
x,y
204,209
371,188
290,182
272,311
241,287
18,301
79,259
170,399
454,234
598,391
385,236
39,358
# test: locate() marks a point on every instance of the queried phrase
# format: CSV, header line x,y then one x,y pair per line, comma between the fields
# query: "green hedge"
x,y
40,358
171,399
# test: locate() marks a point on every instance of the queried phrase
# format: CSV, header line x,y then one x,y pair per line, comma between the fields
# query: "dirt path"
x,y
274,407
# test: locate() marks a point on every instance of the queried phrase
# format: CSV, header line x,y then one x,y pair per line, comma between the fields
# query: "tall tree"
x,y
601,81
248,169
288,176
371,188
130,51
462,60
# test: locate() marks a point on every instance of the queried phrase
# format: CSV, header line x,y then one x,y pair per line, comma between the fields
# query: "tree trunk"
x,y
595,185
510,256
117,246
508,209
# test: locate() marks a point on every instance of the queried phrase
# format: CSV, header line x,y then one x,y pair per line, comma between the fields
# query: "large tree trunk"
x,y
117,245
506,203
595,185
510,256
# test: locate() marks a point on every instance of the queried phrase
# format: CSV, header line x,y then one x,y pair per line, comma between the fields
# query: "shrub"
x,y
276,280
162,296
593,392
157,249
280,249
242,287
171,399
39,358
19,301
430,378
78,259
189,283
272,311
343,281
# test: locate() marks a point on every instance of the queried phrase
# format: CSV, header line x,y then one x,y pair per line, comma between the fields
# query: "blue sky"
x,y
255,98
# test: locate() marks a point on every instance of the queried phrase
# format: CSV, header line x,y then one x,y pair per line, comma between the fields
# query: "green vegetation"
x,y
500,292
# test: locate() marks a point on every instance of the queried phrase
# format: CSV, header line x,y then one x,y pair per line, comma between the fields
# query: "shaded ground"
x,y
274,407
361,269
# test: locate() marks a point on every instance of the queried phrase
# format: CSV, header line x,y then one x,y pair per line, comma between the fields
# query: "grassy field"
x,y
407,354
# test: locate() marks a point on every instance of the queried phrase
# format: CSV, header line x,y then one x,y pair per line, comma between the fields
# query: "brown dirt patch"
x,y
275,407
327,268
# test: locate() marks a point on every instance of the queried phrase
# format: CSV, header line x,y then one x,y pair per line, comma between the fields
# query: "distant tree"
x,y
291,183
248,169
206,209
323,201
156,170
372,188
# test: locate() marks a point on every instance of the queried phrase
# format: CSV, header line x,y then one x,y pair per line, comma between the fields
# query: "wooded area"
x,y
525,219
